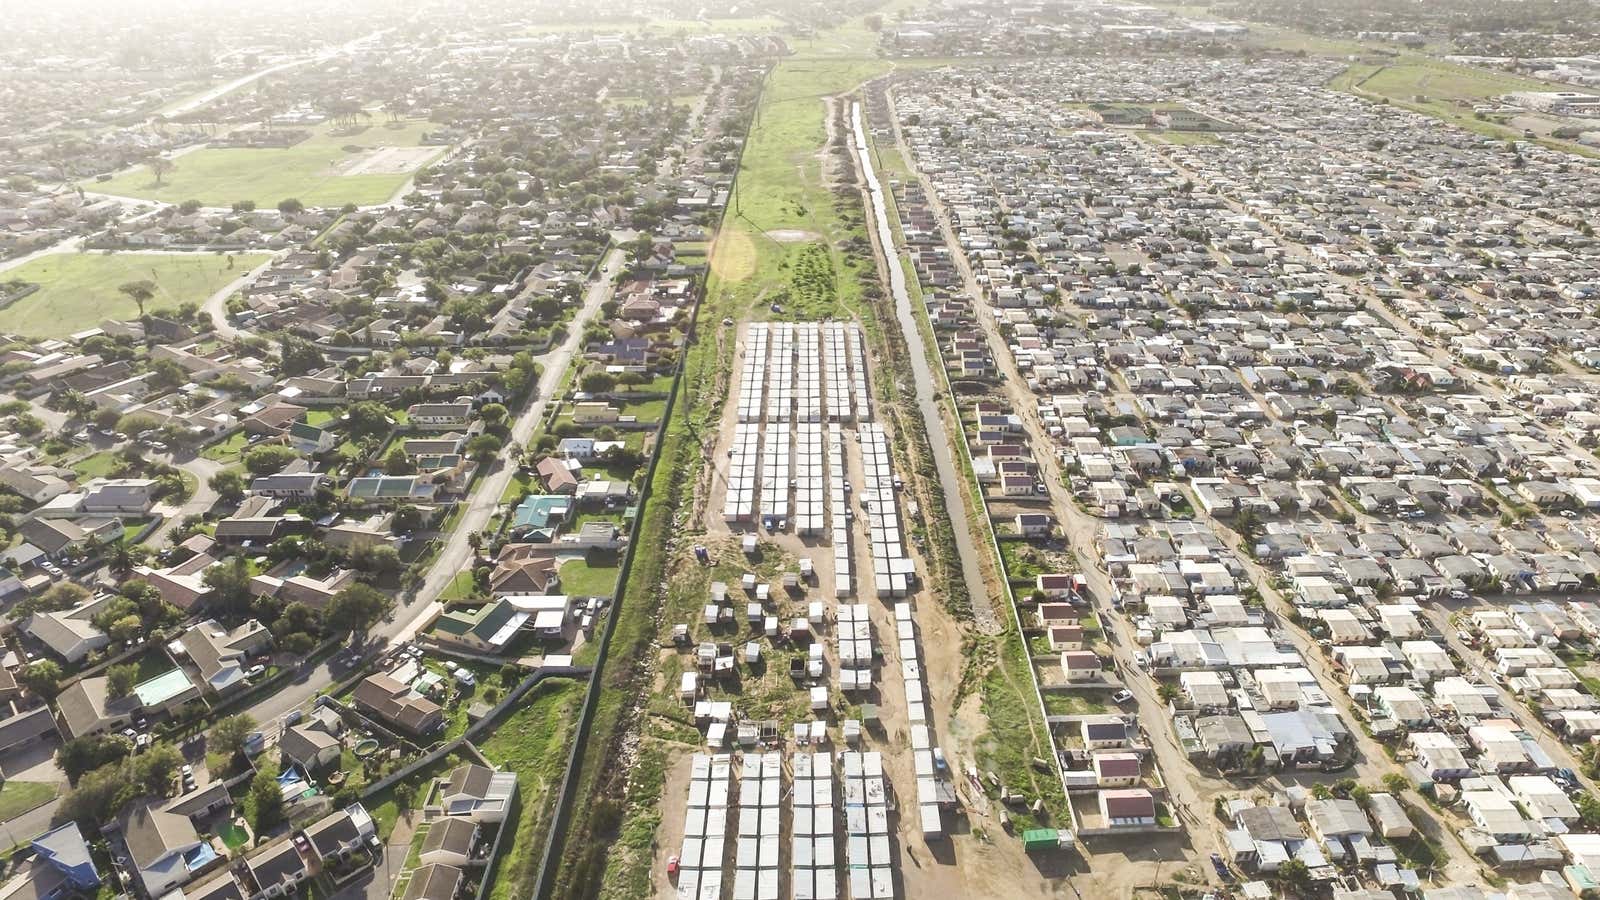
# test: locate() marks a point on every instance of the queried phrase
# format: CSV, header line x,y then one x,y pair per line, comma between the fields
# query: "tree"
x,y
61,595
230,586
397,462
269,459
229,485
406,520
368,419
85,754
1589,811
405,794
484,447
376,560
42,678
1395,783
1295,875
140,292
357,608
493,414
291,206
598,382
299,356
264,802
228,735
120,680
160,167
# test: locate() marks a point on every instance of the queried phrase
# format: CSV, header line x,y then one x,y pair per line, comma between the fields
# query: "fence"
x,y
543,883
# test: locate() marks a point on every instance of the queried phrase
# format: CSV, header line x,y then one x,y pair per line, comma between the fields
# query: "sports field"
x,y
79,290
364,165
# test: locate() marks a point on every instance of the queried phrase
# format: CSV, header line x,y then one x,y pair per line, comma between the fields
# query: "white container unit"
x,y
700,860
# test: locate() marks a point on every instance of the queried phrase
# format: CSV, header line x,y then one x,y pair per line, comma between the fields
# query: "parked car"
x,y
1122,696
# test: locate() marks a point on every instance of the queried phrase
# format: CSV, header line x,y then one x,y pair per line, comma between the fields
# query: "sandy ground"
x,y
793,235
974,860
387,161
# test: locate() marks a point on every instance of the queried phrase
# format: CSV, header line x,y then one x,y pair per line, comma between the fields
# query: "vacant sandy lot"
x,y
387,161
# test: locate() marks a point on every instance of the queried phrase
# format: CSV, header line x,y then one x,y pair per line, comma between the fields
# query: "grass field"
x,y
1445,91
79,290
532,742
308,171
17,797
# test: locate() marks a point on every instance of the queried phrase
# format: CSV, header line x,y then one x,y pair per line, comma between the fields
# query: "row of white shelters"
x,y
814,854
837,369
756,870
809,480
866,827
892,569
854,634
705,828
739,505
807,375
838,509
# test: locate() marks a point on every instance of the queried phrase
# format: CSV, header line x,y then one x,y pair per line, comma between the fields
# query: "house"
x,y
1114,770
1342,827
1390,816
70,633
113,496
310,748
1438,757
1034,524
392,487
310,439
37,486
1543,799
20,728
85,707
494,627
61,867
1080,665
1496,815
165,850
450,842
288,485
221,655
558,475
434,881
526,575
454,414
223,886
477,793
277,871
1127,807
337,835
398,704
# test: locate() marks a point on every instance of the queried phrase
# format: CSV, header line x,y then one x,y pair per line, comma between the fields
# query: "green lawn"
x,y
309,171
229,449
382,806
532,742
17,797
79,290
459,588
592,577
99,465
